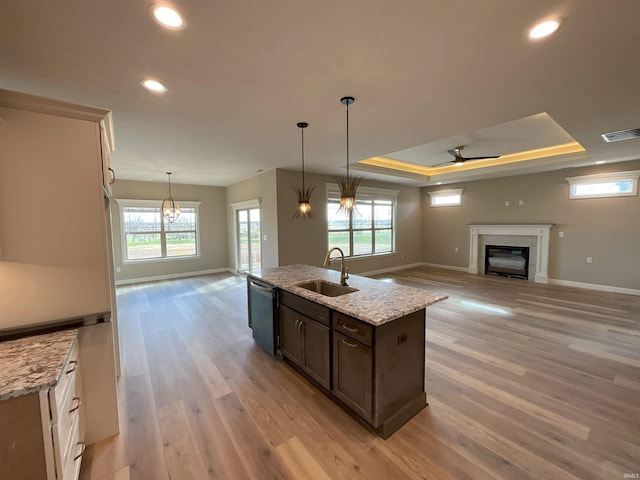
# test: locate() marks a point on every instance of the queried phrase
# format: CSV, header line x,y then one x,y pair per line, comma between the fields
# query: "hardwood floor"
x,y
524,381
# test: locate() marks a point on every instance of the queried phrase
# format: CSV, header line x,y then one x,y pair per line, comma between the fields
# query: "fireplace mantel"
x,y
539,230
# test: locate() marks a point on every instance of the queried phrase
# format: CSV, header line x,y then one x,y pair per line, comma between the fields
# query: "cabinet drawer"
x,y
361,331
306,307
66,384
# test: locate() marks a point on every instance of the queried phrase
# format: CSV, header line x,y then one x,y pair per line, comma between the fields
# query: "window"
x,y
371,231
617,184
147,235
446,198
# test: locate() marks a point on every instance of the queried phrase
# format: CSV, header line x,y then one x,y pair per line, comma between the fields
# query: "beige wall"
x,y
607,229
213,235
262,188
305,241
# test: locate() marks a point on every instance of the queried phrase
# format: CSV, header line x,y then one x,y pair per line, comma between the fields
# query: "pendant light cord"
x,y
347,142
302,131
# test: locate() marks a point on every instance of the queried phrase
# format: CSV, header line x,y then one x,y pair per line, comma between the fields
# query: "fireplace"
x,y
534,235
507,261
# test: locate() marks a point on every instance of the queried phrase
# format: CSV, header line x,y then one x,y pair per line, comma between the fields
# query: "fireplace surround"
x,y
535,236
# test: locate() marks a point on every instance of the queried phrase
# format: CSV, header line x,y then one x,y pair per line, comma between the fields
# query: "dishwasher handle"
x,y
261,288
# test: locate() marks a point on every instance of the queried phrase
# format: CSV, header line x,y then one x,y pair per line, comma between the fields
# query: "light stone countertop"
x,y
30,364
376,302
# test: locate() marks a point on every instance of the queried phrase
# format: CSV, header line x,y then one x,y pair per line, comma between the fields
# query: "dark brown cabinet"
x,y
306,343
352,374
375,371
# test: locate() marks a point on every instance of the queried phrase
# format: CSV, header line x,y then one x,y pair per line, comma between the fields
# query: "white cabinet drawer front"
x,y
75,450
65,386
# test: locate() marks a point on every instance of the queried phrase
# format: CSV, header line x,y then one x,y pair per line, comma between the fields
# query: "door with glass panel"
x,y
249,241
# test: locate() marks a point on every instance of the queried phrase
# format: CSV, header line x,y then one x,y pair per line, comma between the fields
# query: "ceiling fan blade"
x,y
448,162
479,158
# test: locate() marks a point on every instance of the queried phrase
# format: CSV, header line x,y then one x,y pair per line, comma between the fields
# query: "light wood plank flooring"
x,y
524,381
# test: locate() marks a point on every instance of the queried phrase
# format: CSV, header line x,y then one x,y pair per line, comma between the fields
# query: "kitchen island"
x,y
364,347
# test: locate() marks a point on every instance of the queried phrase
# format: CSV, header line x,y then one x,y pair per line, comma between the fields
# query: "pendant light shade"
x,y
349,184
170,208
304,194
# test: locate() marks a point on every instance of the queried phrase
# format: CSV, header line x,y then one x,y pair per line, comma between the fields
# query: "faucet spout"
x,y
344,274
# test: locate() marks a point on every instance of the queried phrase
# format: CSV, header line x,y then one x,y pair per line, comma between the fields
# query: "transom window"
x,y
446,198
371,231
617,184
147,235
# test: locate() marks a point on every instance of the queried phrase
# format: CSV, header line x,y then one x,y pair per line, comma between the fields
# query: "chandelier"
x,y
304,194
170,208
349,184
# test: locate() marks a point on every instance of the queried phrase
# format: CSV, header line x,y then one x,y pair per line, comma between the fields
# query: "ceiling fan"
x,y
458,159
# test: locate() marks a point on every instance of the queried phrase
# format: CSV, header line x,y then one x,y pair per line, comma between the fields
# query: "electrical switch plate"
x,y
521,202
264,238
561,234
456,249
506,204
589,259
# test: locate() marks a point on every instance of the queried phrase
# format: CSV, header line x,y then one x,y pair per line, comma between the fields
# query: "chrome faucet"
x,y
344,272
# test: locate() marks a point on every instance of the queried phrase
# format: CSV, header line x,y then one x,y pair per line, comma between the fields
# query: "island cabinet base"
x,y
375,372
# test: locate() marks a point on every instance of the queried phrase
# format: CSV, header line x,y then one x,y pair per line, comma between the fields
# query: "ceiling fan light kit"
x,y
303,193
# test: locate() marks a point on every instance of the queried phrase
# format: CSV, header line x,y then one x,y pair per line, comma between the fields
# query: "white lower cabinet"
x,y
65,422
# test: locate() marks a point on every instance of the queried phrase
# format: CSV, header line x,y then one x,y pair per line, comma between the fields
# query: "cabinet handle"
x,y
349,344
73,364
112,176
351,329
81,451
77,406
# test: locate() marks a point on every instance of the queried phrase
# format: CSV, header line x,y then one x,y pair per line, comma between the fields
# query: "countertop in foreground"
x,y
376,301
33,363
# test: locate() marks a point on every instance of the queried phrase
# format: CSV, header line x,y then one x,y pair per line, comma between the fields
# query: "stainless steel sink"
x,y
328,289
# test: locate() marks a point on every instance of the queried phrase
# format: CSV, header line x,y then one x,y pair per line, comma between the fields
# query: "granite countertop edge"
x,y
376,302
34,363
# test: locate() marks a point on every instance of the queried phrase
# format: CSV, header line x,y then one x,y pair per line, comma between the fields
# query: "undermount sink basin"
x,y
327,288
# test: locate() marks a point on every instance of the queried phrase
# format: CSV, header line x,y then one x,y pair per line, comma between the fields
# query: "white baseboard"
x,y
130,281
593,286
391,269
446,267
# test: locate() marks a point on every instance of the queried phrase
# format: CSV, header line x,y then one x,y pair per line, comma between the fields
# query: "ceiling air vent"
x,y
621,135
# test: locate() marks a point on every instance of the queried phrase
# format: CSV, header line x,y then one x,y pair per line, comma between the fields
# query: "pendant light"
x,y
349,184
170,208
304,194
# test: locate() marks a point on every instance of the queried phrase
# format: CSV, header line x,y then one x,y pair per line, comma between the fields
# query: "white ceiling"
x,y
425,73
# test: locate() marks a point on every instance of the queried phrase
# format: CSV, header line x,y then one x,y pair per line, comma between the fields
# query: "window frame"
x,y
604,178
372,194
155,204
435,194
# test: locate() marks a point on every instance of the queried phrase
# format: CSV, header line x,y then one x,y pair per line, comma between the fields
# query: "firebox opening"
x,y
507,261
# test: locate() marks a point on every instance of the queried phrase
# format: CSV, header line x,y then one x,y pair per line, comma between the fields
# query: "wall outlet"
x,y
589,259
506,203
521,202
456,249
561,234
117,269
265,238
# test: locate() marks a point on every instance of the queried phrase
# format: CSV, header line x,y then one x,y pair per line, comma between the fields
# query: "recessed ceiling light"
x,y
168,17
153,86
438,183
600,162
544,29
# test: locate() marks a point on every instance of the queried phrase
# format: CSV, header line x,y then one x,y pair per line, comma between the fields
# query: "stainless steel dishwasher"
x,y
262,313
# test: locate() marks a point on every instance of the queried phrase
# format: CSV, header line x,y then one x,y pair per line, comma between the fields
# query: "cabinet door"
x,y
353,374
315,350
290,342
